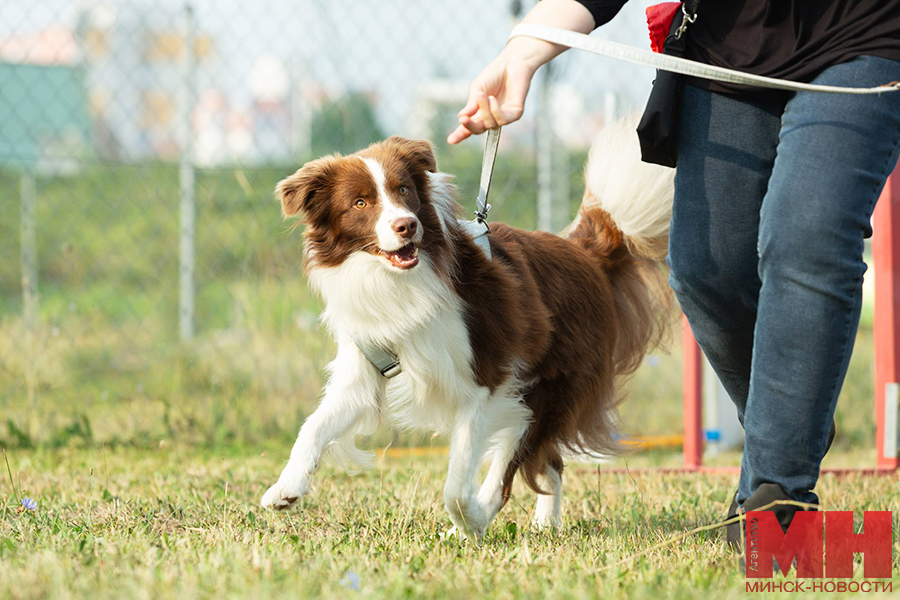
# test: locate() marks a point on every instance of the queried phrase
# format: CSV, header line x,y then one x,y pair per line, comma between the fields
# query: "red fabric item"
x,y
659,20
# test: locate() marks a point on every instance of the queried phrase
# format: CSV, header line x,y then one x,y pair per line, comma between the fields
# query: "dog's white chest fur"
x,y
417,316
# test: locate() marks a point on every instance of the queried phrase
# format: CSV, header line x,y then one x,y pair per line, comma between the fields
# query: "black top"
x,y
787,39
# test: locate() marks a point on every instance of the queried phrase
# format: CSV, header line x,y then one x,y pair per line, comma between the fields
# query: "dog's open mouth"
x,y
405,258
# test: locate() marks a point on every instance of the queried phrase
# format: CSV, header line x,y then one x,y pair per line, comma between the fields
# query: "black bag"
x,y
658,128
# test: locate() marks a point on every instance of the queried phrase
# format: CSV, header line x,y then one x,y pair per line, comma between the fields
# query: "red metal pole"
x,y
693,401
886,259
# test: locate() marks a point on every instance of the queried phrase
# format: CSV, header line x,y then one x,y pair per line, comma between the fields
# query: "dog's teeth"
x,y
415,252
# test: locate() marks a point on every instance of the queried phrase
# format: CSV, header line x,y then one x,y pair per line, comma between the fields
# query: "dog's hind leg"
x,y
548,509
350,401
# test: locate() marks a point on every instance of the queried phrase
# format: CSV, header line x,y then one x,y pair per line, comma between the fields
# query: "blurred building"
x,y
44,120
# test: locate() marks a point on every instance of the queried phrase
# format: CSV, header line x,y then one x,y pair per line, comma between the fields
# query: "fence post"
x,y
545,154
886,259
187,179
28,193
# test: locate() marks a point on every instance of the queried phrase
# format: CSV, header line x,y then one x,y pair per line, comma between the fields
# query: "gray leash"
x,y
384,359
684,66
478,228
491,142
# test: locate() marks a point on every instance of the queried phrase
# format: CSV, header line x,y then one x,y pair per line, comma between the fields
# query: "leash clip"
x,y
481,215
688,19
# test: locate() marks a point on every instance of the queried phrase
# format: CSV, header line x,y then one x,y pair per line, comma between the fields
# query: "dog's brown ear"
x,y
419,153
297,191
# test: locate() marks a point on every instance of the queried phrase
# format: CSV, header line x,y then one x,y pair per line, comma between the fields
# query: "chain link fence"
x,y
149,289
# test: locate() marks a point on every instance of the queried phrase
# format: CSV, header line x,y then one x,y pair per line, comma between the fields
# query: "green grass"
x,y
148,456
180,522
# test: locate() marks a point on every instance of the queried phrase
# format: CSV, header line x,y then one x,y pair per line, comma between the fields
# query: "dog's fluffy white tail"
x,y
637,195
624,221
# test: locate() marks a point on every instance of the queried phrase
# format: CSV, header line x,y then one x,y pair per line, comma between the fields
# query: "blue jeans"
x,y
773,201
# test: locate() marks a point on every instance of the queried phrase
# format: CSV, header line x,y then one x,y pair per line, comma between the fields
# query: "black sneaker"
x,y
766,494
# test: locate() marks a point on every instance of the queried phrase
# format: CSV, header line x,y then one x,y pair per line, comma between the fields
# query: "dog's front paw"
x,y
453,532
467,515
282,496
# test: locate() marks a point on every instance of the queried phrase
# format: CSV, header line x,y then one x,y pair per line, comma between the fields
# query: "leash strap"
x,y
478,229
684,66
383,359
491,141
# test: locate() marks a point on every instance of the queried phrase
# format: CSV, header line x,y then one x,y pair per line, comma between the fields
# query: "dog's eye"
x,y
360,203
403,190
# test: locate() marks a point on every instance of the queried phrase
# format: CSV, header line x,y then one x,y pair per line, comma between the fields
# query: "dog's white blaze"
x,y
390,212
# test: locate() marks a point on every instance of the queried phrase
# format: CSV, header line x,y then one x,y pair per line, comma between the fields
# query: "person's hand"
x,y
496,97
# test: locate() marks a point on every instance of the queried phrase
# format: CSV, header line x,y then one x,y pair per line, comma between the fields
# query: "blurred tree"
x,y
345,125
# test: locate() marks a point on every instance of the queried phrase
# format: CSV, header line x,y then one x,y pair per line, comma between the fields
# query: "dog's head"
x,y
377,201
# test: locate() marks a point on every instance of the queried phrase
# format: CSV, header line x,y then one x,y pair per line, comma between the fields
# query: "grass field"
x,y
178,522
147,456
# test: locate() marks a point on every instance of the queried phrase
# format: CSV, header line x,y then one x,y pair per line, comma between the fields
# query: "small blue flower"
x,y
29,503
350,580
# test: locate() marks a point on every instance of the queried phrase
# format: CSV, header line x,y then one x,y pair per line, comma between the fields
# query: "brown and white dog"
x,y
519,357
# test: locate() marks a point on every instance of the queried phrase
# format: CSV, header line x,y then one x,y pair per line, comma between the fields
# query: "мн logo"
x,y
814,536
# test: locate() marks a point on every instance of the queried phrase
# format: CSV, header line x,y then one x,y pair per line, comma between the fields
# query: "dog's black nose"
x,y
405,226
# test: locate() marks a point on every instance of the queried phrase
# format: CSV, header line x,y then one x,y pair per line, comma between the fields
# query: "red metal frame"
x,y
886,267
693,400
886,259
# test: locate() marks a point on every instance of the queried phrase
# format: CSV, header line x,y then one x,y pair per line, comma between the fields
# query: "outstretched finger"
x,y
457,135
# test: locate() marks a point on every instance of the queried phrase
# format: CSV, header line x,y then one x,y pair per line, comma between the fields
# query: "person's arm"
x,y
497,95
